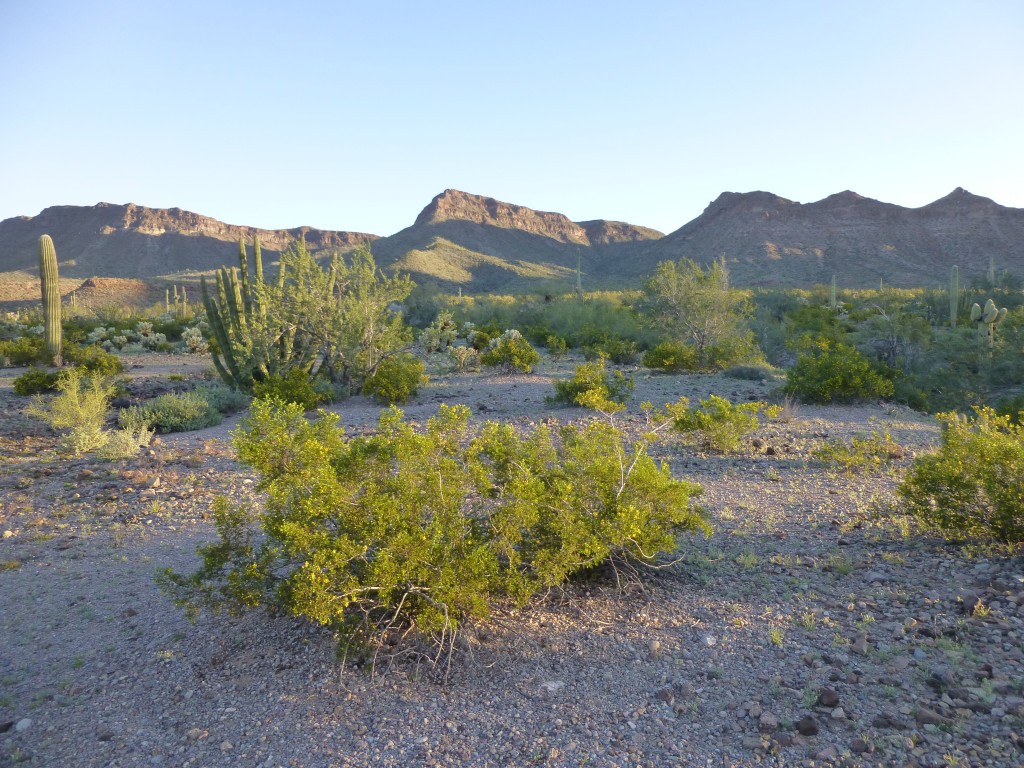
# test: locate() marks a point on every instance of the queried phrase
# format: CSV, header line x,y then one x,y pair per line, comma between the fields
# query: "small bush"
x,y
423,530
751,372
80,406
671,357
827,371
972,485
94,359
719,425
36,381
593,382
556,345
861,454
396,379
25,350
125,443
1012,408
619,351
296,386
510,352
173,412
223,398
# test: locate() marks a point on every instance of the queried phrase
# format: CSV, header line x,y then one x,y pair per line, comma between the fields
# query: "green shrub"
x,y
94,359
593,380
751,372
296,386
1012,408
510,352
396,379
827,371
173,412
861,454
556,345
25,350
223,398
36,381
80,407
671,357
972,485
405,532
718,424
619,351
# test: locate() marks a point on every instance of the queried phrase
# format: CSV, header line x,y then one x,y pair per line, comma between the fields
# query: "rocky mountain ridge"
x,y
478,243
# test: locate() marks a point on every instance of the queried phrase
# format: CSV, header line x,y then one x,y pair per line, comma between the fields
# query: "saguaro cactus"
x,y
48,281
987,320
954,296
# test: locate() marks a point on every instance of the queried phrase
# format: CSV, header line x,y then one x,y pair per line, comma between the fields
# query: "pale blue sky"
x,y
351,116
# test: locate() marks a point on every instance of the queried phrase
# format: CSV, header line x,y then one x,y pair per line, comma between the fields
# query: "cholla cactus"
x,y
195,344
987,319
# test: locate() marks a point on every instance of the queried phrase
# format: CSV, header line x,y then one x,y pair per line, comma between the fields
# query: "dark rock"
x,y
807,726
827,697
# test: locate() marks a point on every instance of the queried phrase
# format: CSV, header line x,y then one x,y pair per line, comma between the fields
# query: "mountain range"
x,y
478,244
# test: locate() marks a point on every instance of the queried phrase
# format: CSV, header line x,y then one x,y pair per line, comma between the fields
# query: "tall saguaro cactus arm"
x,y
50,286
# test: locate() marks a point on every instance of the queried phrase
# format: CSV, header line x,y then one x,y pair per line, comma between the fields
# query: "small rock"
x,y
860,747
23,725
195,734
752,742
807,726
103,733
226,746
552,686
838,714
768,722
927,716
860,645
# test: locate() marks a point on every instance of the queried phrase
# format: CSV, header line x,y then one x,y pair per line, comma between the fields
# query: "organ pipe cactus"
x,y
987,319
954,296
50,285
249,349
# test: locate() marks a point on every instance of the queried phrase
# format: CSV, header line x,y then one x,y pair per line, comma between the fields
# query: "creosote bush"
x,y
592,379
425,530
826,371
971,487
396,379
861,454
671,357
295,386
718,424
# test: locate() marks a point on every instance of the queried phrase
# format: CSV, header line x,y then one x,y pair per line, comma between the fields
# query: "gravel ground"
x,y
815,627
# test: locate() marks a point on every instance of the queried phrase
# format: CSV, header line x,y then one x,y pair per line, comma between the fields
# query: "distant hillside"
x,y
480,244
132,241
768,240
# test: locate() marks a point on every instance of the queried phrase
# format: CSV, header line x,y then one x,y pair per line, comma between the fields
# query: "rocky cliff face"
x,y
138,242
453,205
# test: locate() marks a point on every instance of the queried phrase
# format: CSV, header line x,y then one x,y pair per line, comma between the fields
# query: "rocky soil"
x,y
816,627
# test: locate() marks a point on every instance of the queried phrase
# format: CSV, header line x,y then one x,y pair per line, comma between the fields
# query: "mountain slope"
x,y
482,244
132,241
768,240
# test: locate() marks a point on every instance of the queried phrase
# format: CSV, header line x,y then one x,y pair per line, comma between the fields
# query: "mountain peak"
x,y
455,205
961,200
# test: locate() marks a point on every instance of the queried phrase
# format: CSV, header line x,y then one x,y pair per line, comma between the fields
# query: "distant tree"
x,y
696,306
